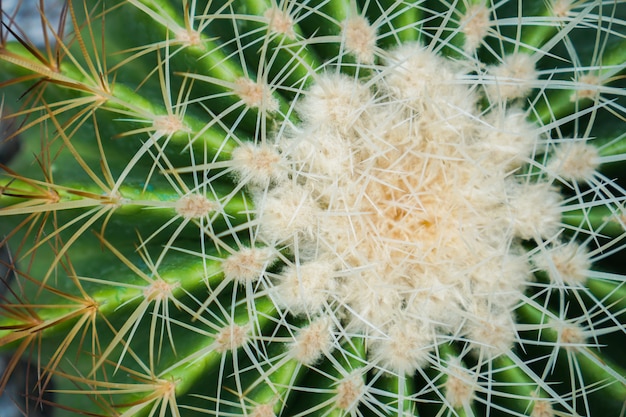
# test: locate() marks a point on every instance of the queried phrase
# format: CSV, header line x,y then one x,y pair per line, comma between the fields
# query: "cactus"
x,y
315,208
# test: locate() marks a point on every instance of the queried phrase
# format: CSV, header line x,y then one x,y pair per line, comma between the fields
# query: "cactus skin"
x,y
208,218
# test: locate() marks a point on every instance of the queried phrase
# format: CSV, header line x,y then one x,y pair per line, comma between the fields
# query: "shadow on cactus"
x,y
324,208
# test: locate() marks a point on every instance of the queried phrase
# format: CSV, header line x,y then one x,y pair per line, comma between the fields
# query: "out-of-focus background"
x,y
21,396
23,16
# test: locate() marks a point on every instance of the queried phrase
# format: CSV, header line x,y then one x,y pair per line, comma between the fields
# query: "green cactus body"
x,y
317,208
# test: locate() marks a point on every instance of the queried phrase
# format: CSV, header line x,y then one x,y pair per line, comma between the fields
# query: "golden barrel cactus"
x,y
314,208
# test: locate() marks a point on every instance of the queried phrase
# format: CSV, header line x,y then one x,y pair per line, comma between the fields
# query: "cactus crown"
x,y
337,208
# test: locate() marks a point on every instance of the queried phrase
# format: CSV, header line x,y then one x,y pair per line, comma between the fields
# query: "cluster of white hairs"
x,y
403,208
414,202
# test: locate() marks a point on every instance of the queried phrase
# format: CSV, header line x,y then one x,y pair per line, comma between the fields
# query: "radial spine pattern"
x,y
314,208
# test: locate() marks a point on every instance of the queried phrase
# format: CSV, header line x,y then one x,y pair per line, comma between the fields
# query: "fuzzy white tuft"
x,y
459,386
513,78
231,338
359,38
475,24
280,22
313,342
255,95
350,391
193,206
334,102
257,166
247,265
576,161
566,264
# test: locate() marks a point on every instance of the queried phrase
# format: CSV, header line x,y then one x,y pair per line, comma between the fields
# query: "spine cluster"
x,y
402,210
